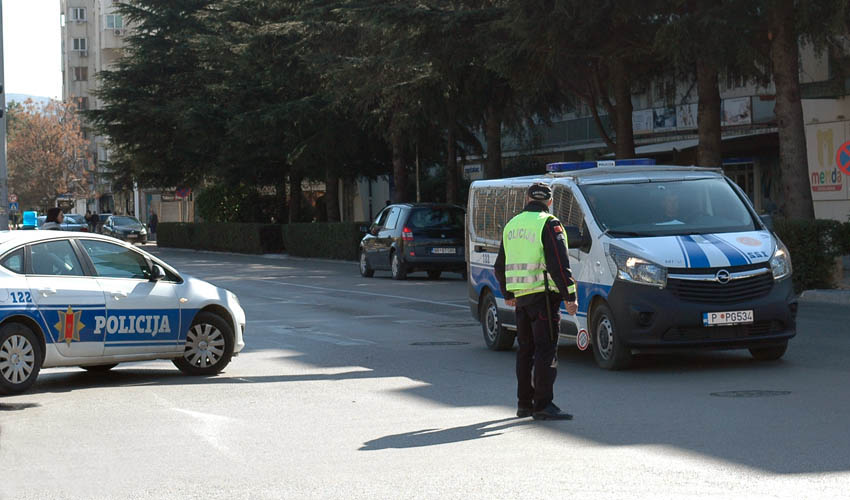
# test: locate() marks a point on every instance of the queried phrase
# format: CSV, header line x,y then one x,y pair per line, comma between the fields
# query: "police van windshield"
x,y
668,208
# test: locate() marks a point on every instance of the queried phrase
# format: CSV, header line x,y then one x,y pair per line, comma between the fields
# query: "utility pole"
x,y
4,184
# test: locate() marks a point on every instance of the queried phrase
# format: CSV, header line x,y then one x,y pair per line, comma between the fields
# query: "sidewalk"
x,y
840,296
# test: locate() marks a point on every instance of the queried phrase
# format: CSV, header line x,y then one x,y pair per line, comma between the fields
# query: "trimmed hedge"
x,y
327,240
221,236
814,246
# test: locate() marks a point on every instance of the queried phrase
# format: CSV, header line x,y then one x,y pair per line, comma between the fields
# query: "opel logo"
x,y
722,276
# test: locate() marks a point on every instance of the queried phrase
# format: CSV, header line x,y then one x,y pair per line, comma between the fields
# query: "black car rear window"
x,y
436,217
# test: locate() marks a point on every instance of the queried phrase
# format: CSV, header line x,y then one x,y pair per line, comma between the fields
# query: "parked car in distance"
x,y
410,237
125,228
101,220
75,222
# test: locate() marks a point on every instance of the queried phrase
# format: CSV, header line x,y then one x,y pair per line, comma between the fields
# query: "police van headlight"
x,y
629,267
780,263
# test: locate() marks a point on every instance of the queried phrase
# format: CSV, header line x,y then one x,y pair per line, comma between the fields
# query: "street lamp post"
x,y
4,185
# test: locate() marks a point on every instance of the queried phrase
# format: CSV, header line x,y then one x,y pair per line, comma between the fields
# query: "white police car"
x,y
665,258
81,299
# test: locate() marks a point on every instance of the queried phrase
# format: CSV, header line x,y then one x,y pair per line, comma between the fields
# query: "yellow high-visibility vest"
x,y
525,261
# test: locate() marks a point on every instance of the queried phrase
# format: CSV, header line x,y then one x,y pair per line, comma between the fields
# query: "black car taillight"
x,y
406,234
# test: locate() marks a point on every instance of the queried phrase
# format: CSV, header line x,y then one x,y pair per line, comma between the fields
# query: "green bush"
x,y
329,240
813,245
221,236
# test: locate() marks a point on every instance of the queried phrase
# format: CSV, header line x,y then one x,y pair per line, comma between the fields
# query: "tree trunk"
x,y
332,197
623,96
295,197
493,135
793,157
399,170
708,116
451,168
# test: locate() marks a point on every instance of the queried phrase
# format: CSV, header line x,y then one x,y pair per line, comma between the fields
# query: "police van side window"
x,y
566,208
14,261
55,258
116,261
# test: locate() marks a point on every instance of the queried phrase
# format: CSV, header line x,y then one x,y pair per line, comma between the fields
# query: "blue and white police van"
x,y
81,299
665,257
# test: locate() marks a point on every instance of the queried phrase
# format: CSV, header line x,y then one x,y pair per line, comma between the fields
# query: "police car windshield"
x,y
698,206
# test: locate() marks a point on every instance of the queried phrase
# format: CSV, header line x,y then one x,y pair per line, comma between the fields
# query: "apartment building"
x,y
665,127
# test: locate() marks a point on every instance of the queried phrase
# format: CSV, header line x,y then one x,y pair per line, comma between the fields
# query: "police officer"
x,y
533,268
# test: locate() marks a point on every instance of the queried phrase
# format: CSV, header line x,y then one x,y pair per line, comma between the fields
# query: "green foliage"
x,y
333,240
221,236
225,202
813,245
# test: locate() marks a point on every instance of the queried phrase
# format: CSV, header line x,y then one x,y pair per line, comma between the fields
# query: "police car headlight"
x,y
780,263
628,267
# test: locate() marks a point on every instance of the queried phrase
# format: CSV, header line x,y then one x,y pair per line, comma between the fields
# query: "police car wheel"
x,y
608,349
365,270
209,346
397,267
20,358
496,337
769,353
99,368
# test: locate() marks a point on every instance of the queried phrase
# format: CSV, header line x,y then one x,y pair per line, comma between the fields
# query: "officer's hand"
x,y
510,302
572,307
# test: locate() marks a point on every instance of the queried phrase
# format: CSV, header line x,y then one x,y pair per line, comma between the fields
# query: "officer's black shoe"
x,y
551,412
524,411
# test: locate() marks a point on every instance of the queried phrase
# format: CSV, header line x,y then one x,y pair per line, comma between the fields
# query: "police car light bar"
x,y
569,166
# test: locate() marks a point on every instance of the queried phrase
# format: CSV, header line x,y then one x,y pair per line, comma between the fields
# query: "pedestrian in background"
x,y
152,223
54,219
533,270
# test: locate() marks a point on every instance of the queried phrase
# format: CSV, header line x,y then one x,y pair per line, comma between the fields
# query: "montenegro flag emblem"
x,y
69,325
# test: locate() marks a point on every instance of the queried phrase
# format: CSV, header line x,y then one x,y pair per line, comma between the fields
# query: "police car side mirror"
x,y
157,272
577,239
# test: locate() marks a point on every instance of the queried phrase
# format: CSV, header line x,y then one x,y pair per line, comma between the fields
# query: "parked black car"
x,y
125,228
407,237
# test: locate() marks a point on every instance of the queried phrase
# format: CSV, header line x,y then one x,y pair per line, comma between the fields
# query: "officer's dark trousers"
x,y
537,352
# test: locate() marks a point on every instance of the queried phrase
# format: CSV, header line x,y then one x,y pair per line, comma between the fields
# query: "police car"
x,y
81,299
665,257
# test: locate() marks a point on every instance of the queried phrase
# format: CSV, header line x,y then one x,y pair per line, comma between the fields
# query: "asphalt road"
x,y
371,388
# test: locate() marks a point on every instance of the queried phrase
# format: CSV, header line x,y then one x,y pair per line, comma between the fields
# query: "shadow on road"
x,y
17,406
433,437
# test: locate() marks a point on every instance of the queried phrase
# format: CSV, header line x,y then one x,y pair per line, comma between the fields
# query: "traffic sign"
x,y
13,198
842,158
13,207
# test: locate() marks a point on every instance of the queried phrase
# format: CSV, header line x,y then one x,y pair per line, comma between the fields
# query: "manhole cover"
x,y
439,343
750,394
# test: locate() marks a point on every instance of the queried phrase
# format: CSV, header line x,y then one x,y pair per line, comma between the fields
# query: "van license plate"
x,y
444,250
727,318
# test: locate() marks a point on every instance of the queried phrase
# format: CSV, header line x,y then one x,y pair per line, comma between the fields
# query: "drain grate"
x,y
750,394
449,342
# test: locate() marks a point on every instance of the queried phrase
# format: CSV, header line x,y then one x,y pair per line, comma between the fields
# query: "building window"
x,y
114,21
78,14
80,45
734,80
81,73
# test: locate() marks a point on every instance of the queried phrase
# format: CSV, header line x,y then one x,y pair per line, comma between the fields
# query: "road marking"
x,y
374,316
373,294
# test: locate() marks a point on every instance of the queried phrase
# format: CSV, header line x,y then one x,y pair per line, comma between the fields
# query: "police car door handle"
x,y
46,292
119,295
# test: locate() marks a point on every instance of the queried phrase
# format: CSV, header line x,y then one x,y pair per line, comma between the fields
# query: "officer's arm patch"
x,y
559,228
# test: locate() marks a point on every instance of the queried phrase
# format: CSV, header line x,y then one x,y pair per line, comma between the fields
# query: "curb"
x,y
841,297
270,256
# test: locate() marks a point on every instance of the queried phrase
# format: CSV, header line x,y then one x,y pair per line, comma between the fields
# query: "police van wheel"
x,y
769,353
99,368
209,346
365,270
497,337
397,267
608,350
20,358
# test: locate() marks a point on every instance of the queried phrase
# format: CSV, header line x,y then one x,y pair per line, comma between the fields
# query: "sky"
x,y
32,47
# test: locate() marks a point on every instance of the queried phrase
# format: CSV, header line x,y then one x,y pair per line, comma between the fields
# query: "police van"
x,y
82,299
664,257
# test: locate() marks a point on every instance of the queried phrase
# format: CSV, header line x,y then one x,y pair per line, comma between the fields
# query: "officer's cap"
x,y
540,192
